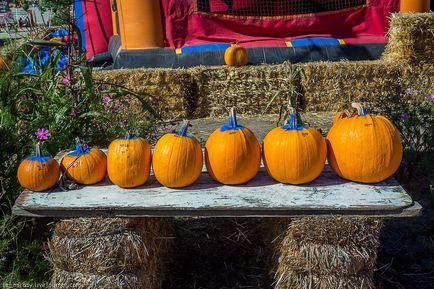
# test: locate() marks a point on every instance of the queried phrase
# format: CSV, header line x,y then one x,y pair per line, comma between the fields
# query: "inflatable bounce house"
x,y
184,33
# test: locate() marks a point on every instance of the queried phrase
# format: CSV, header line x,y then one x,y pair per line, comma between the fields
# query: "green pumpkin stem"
x,y
361,111
38,149
184,127
233,117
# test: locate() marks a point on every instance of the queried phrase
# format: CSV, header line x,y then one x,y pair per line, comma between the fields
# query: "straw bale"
x,y
323,252
411,37
129,280
295,280
249,87
173,90
329,86
111,245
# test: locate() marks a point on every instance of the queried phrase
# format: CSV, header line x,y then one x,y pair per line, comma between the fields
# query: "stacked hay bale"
x,y
173,91
325,252
110,253
411,37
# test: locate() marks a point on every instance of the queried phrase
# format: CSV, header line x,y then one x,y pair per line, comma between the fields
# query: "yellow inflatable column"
x,y
414,5
140,24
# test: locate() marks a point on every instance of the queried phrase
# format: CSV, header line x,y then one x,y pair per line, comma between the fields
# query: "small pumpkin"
x,y
236,55
364,148
294,154
38,173
3,63
84,165
177,160
129,161
232,153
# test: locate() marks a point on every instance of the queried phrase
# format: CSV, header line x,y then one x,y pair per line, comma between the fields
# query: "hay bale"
x,y
325,252
329,86
172,90
249,88
411,37
130,280
111,251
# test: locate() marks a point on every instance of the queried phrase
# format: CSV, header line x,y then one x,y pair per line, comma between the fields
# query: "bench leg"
x,y
324,252
110,253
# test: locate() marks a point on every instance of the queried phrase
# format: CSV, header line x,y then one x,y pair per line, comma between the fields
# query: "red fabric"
x,y
184,26
97,26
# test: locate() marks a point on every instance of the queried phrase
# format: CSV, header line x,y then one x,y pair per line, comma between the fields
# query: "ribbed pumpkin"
x,y
294,154
236,56
84,165
177,160
38,173
129,161
364,148
232,153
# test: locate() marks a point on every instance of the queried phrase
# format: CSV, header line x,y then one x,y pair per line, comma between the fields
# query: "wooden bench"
x,y
327,197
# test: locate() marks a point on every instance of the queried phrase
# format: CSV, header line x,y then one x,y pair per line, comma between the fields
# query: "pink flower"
x,y
75,112
106,99
42,134
66,80
85,146
115,108
431,97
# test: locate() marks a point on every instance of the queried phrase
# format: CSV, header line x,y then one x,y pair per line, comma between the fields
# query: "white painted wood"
x,y
260,197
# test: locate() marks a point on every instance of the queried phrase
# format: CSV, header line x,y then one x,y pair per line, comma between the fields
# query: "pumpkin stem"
x,y
233,117
347,113
38,149
78,146
127,135
361,111
292,122
184,126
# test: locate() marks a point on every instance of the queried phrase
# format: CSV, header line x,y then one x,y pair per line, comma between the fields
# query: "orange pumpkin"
x,y
129,161
294,154
177,160
236,56
232,153
84,165
364,148
38,173
3,63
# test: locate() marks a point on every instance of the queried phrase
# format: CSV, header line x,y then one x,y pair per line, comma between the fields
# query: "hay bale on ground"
x,y
325,252
329,86
173,90
111,252
411,37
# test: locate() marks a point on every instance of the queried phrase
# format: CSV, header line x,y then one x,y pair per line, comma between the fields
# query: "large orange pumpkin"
x,y
38,173
177,160
129,161
294,154
364,148
84,165
232,153
236,56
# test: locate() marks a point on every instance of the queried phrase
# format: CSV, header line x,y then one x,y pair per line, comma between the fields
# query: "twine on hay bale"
x,y
111,251
411,37
324,252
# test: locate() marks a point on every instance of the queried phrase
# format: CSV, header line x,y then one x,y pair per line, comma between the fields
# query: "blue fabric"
x,y
204,47
79,150
314,41
41,159
128,136
59,33
35,66
79,20
231,125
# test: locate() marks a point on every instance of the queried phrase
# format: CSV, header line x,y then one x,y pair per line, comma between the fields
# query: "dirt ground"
x,y
229,253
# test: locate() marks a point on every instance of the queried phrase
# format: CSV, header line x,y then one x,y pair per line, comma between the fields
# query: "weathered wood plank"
x,y
261,197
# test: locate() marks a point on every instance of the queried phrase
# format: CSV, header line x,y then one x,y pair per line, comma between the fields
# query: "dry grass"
x,y
324,252
411,38
112,252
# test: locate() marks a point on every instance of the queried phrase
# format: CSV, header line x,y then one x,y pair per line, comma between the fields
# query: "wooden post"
x,y
415,5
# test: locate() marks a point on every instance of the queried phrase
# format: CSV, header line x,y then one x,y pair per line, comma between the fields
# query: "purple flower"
x,y
106,100
412,91
66,80
404,117
85,146
115,108
42,133
431,97
75,112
